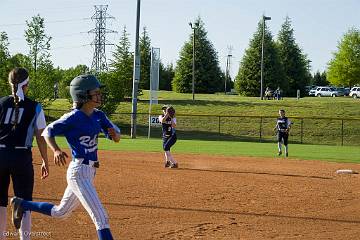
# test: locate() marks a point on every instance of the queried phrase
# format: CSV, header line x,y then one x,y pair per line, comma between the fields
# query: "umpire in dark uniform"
x,y
20,119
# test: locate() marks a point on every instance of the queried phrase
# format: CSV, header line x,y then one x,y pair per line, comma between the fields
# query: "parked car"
x,y
312,91
326,92
308,88
355,92
341,91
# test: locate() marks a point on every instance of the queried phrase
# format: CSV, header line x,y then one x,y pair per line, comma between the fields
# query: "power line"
x,y
42,10
53,37
70,47
55,21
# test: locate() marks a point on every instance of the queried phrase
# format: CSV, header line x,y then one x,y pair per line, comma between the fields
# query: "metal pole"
x,y
302,130
227,72
136,74
342,132
219,124
150,92
149,129
193,67
261,121
262,60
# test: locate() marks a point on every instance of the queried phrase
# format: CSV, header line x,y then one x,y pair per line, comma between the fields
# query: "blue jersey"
x,y
81,132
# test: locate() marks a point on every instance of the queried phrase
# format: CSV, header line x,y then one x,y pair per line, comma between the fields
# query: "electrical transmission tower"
x,y
99,60
228,67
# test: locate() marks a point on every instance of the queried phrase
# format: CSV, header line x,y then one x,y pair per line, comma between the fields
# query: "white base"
x,y
346,171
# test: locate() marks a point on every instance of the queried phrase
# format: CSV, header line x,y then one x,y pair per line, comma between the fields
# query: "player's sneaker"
x,y
279,153
17,211
167,164
173,165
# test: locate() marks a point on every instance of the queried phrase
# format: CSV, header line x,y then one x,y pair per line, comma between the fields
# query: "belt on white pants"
x,y
94,164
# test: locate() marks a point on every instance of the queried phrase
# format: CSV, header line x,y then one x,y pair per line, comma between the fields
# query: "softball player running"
x,y
81,128
20,119
283,125
168,122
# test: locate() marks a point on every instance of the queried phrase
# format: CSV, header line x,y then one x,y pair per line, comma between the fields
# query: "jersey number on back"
x,y
10,114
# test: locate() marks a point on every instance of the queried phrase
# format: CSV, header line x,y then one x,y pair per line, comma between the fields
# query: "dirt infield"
x,y
209,197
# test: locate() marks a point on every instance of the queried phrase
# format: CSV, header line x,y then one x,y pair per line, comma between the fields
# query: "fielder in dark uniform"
x,y
282,128
20,119
168,122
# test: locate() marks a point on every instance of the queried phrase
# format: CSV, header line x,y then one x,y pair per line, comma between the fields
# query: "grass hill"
x,y
327,120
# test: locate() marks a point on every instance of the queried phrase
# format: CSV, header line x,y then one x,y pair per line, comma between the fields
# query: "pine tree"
x,y
247,81
319,79
344,68
122,67
145,59
166,76
294,62
208,75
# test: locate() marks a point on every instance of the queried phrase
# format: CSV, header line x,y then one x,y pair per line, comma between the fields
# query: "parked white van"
x,y
355,92
326,92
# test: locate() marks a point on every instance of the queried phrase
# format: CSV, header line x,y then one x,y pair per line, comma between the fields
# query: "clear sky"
x,y
318,25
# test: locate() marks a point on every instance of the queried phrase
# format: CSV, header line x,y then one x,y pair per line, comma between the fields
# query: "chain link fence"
x,y
305,130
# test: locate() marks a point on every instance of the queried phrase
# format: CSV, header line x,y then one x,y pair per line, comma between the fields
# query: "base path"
x,y
209,197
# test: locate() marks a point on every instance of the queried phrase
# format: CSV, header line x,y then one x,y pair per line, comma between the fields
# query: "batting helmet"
x,y
81,85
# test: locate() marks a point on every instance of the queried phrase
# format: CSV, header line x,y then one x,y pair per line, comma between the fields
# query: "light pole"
x,y
193,59
262,57
227,71
136,74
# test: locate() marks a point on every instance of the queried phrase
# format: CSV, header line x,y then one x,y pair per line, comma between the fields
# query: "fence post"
x,y
302,131
219,124
261,119
342,132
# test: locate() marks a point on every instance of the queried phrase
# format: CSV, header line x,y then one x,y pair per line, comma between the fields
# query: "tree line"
x,y
285,65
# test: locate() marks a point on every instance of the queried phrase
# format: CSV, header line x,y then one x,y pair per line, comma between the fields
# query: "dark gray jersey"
x,y
22,135
282,124
167,128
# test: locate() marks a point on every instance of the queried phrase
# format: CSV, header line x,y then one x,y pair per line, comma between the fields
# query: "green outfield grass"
x,y
231,148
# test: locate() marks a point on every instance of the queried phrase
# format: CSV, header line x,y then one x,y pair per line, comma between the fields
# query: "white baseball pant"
x,y
80,189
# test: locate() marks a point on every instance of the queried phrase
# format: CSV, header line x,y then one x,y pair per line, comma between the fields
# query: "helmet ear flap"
x,y
82,97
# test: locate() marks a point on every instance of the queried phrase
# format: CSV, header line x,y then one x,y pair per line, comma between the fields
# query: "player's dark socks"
x,y
104,234
40,207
